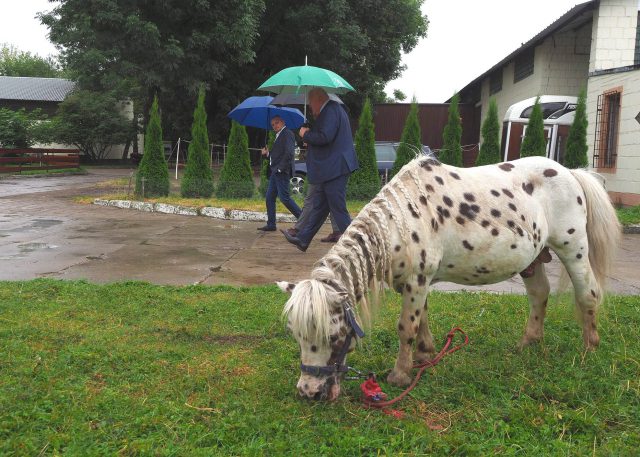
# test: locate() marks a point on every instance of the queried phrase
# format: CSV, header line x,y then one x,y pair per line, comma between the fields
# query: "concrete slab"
x,y
43,233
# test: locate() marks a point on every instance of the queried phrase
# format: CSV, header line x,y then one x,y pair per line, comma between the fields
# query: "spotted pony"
x,y
433,222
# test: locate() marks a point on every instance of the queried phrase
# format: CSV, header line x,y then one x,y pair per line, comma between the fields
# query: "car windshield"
x,y
385,152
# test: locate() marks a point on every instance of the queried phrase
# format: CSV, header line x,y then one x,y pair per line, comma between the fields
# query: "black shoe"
x,y
295,241
267,228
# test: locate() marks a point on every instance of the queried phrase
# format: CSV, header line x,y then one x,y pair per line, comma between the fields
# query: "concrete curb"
x,y
207,211
633,228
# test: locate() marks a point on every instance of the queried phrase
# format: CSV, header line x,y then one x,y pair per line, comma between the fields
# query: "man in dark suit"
x,y
331,158
281,162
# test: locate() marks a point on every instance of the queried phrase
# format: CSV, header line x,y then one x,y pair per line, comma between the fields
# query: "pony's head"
x,y
322,320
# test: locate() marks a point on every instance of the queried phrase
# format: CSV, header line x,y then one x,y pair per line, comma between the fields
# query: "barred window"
x,y
524,65
495,82
605,149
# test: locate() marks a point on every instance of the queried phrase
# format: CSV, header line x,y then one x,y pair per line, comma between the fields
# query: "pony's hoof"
x,y
421,357
398,379
528,341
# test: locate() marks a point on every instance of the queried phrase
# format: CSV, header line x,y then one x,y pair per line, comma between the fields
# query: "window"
x,y
605,149
523,65
548,109
495,82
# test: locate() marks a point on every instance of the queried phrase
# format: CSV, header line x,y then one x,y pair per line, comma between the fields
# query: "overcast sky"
x,y
465,38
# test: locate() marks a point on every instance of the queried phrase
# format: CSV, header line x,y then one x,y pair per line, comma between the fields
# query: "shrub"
x,y
364,183
451,152
236,179
410,140
152,178
576,154
490,149
198,178
534,142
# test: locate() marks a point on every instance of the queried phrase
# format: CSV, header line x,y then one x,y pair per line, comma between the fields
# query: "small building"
x,y
595,46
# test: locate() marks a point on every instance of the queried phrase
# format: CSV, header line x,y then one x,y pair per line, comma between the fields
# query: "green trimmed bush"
x,y
198,178
576,155
451,152
236,180
364,183
264,166
152,178
490,149
534,142
410,140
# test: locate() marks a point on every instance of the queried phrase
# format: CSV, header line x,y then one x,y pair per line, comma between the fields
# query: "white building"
x,y
595,46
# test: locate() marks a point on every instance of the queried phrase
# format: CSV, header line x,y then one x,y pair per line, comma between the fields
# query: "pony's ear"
x,y
285,286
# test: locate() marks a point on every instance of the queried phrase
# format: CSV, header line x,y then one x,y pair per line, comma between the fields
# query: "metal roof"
x,y
34,89
573,18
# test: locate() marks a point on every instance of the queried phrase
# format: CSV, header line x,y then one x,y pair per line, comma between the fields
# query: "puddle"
x,y
44,223
31,247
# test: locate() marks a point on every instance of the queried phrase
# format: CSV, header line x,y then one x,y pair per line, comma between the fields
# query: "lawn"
x,y
138,369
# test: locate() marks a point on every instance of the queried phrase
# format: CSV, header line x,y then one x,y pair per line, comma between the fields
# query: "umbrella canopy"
x,y
258,112
298,99
298,79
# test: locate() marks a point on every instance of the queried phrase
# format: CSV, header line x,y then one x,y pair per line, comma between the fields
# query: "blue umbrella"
x,y
258,112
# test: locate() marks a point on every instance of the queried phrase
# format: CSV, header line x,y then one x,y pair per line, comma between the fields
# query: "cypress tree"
x,y
451,152
152,178
490,149
364,183
577,148
410,140
198,178
264,166
534,143
236,180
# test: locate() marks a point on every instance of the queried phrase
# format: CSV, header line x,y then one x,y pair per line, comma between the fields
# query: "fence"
x,y
19,160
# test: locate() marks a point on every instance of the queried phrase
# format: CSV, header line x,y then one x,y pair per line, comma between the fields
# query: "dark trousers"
x,y
329,197
279,187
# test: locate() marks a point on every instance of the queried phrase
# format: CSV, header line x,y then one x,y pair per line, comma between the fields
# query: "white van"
x,y
558,112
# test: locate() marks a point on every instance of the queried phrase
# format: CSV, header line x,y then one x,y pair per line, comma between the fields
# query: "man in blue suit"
x,y
281,162
331,158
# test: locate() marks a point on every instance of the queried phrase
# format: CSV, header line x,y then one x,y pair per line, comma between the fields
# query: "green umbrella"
x,y
299,79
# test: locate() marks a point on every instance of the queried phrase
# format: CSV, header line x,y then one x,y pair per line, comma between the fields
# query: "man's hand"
x,y
264,151
302,131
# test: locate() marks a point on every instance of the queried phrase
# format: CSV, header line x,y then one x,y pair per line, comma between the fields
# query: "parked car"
x,y
386,152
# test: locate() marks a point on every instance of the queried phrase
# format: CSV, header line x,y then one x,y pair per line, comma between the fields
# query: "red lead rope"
x,y
373,395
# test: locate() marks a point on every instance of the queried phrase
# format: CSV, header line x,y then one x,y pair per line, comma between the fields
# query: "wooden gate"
x,y
19,160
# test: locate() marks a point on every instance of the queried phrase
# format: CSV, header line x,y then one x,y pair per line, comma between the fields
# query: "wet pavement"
x,y
44,233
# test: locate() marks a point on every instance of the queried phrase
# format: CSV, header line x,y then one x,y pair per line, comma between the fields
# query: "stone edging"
x,y
208,211
633,228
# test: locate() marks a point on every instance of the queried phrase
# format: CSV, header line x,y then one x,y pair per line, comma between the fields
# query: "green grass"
x,y
630,215
57,171
138,369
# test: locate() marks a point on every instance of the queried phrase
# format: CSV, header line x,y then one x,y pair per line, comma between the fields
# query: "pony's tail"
x,y
603,228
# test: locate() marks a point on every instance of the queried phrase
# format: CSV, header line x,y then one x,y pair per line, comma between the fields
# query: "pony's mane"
x,y
361,260
359,264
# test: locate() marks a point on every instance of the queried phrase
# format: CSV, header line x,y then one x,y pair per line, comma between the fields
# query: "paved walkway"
x,y
44,233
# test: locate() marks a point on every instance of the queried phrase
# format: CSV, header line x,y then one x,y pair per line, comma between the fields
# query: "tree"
x,y
152,178
17,63
451,152
264,166
168,48
236,180
171,47
490,149
18,128
197,180
534,142
91,121
576,155
410,140
364,183
398,95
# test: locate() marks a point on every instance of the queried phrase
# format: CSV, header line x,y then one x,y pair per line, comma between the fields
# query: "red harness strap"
x,y
374,397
